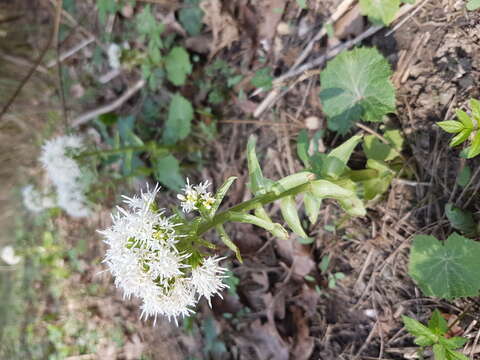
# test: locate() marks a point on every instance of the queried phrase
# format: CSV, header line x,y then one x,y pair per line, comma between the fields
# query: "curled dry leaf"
x,y
223,26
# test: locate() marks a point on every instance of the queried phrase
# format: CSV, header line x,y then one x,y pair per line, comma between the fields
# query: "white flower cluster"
x,y
195,197
65,173
35,201
144,259
8,256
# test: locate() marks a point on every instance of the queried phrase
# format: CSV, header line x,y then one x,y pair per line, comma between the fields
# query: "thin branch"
x,y
82,119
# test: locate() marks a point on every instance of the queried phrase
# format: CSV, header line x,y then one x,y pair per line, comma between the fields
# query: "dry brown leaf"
x,y
272,11
224,27
266,341
350,24
304,344
134,349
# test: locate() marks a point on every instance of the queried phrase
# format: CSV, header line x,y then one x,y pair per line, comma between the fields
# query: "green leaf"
x,y
451,126
475,107
437,323
395,138
302,147
258,184
465,119
288,207
423,335
454,342
221,192
228,242
346,198
448,270
263,79
167,172
178,66
275,228
473,5
105,7
302,4
191,16
356,85
380,12
312,206
474,148
439,352
460,137
336,161
180,116
460,219
464,176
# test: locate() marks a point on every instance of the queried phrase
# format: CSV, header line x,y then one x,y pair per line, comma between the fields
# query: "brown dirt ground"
x,y
436,58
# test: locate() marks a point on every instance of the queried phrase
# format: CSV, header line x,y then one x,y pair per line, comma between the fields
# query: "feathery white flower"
x,y
35,201
208,278
9,257
196,196
144,259
65,173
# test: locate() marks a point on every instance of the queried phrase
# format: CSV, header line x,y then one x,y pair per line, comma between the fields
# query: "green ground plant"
x,y
435,335
465,128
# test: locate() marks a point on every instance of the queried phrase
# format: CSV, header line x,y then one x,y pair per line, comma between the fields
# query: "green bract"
x,y
356,86
449,270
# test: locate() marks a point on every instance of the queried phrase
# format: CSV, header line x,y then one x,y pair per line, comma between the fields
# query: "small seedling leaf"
x,y
423,335
460,219
460,137
448,270
180,116
464,176
474,148
465,119
336,161
451,126
178,66
356,85
437,323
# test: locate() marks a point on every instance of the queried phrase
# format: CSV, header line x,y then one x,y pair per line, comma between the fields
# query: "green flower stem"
x,y
260,200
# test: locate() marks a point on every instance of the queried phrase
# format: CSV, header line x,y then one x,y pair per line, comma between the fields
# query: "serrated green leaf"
x,y
380,12
464,176
439,352
453,342
420,331
465,119
336,161
474,148
288,207
473,5
460,137
475,107
451,126
356,85
448,270
178,66
180,116
460,219
228,242
221,192
302,148
167,172
437,323
191,16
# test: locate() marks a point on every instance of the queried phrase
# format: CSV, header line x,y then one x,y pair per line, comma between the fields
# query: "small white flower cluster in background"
x,y
65,173
195,197
144,258
114,54
8,256
35,201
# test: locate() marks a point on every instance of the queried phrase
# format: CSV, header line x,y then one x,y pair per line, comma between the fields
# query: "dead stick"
x,y
82,119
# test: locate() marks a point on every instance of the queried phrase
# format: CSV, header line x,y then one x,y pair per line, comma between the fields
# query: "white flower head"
x,y
208,278
144,258
9,257
35,201
65,173
196,196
